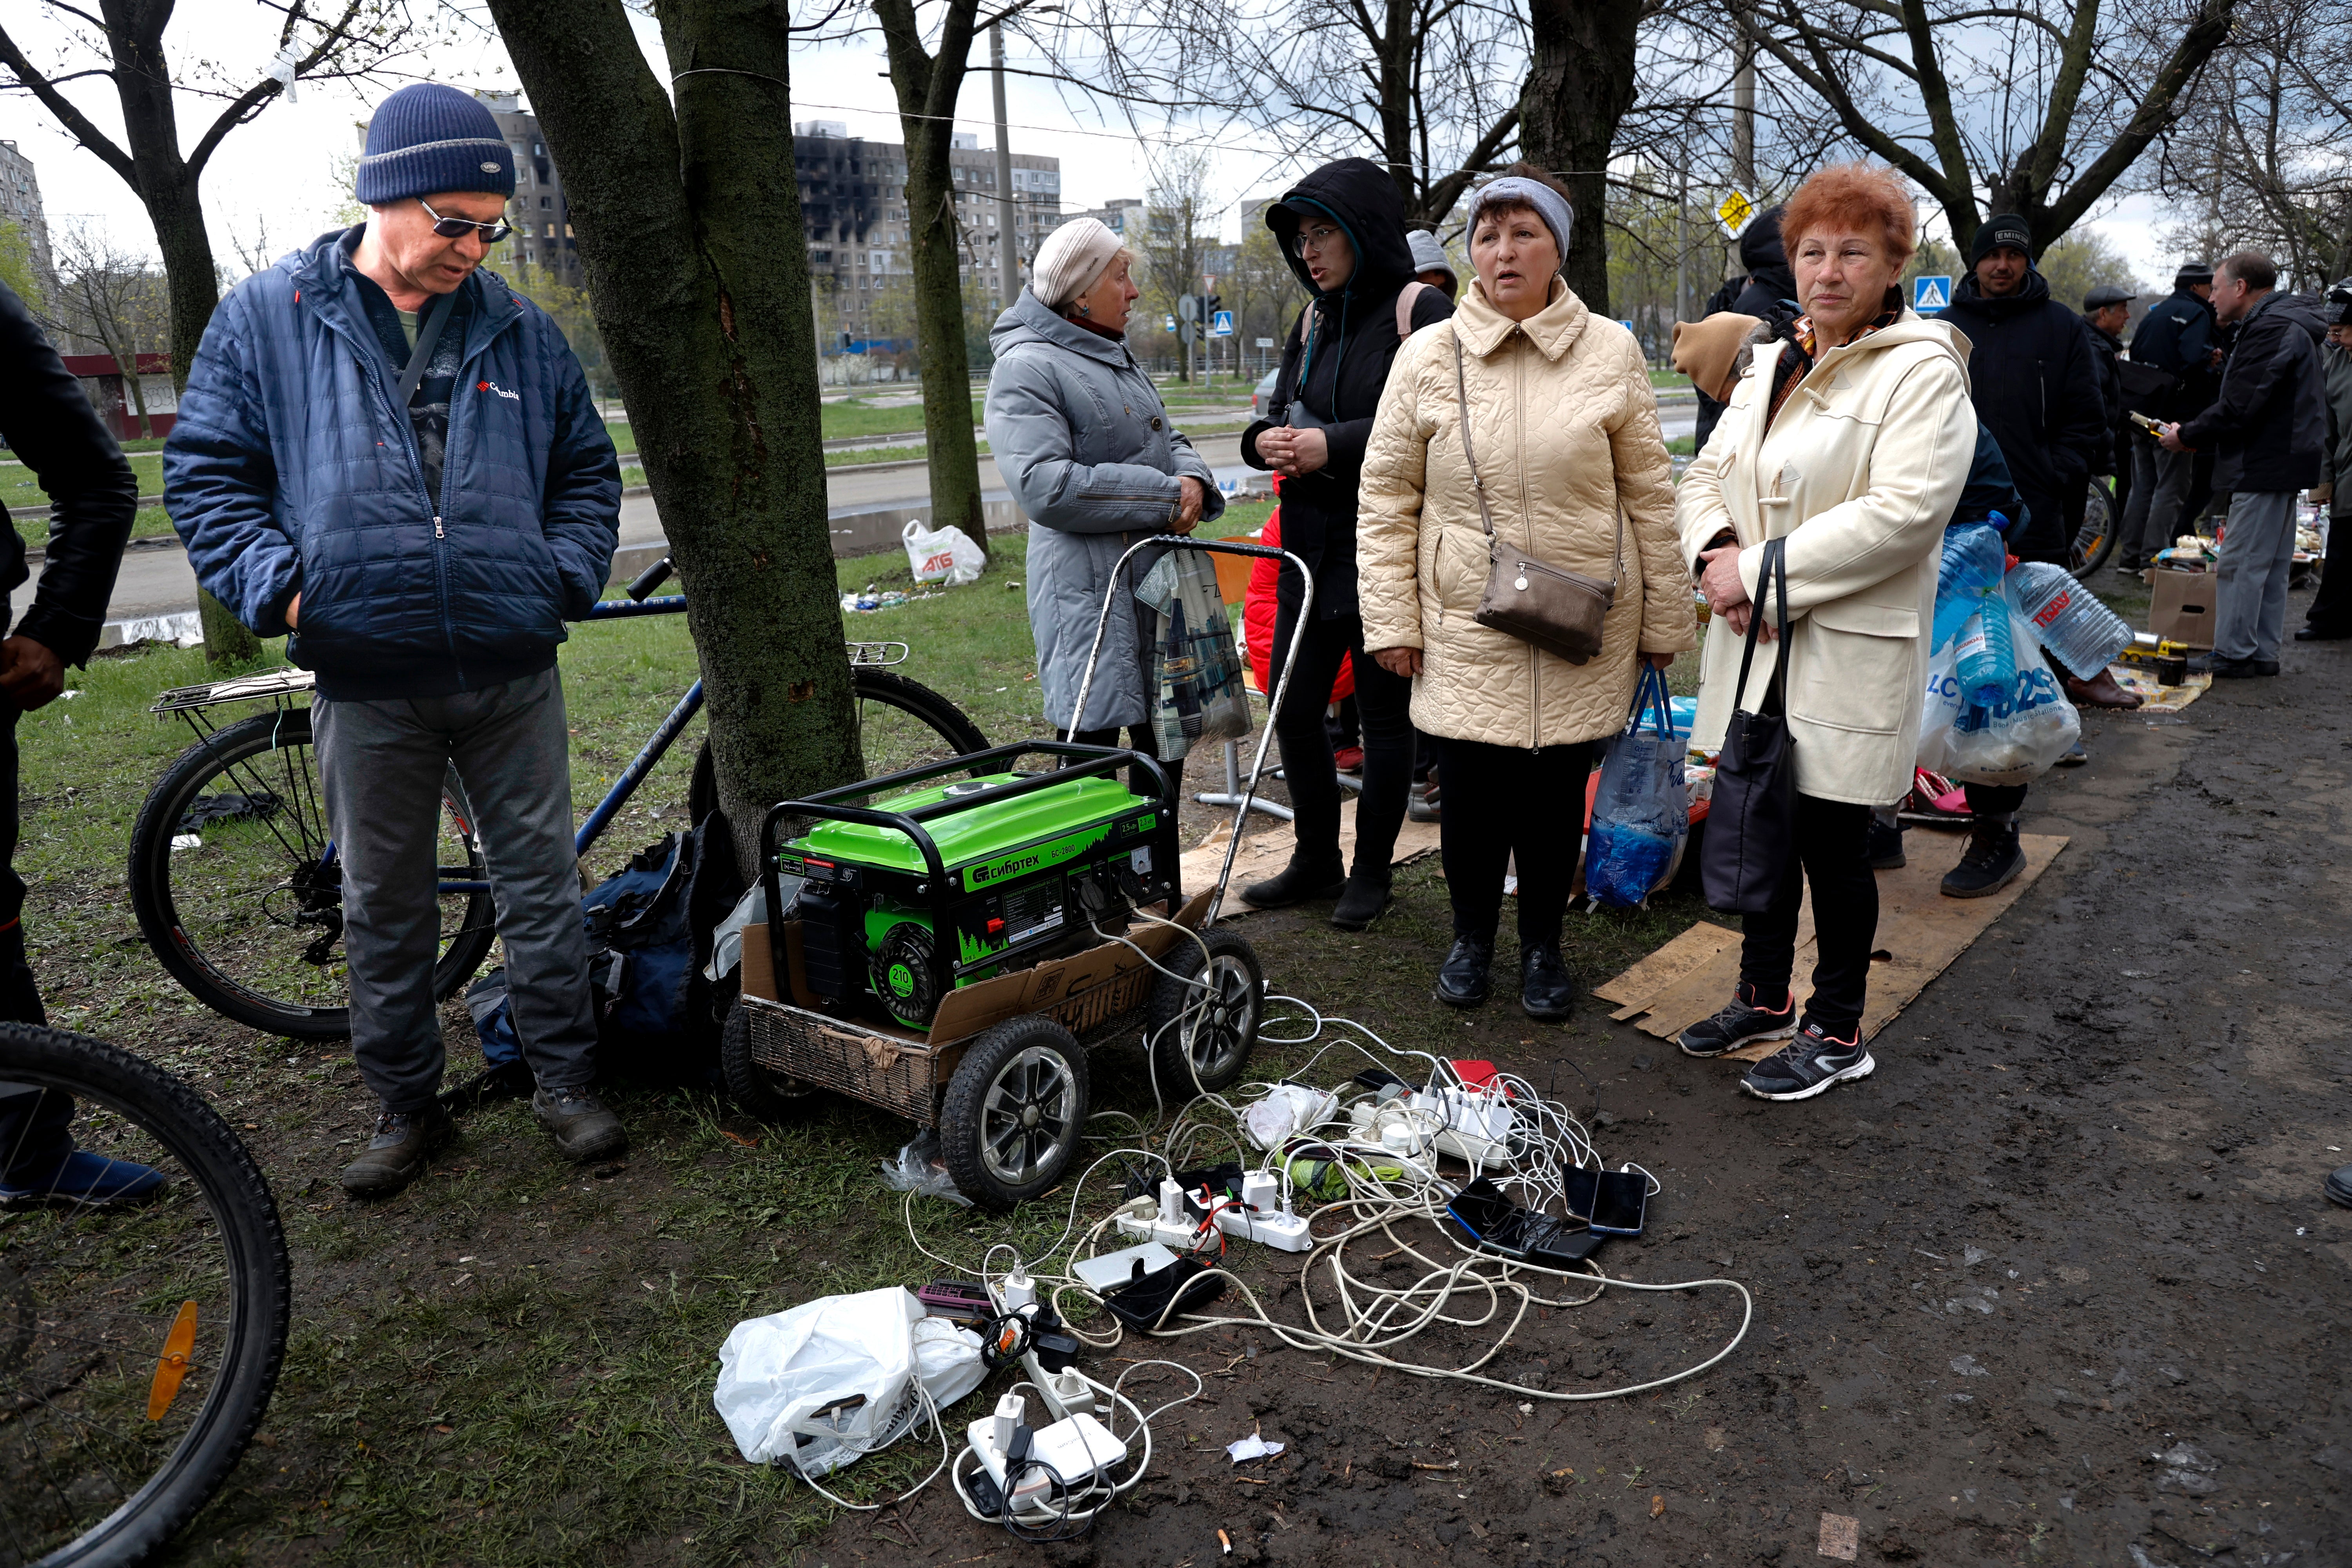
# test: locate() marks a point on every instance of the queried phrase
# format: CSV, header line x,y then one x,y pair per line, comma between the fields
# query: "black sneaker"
x,y
1740,1024
1808,1065
2339,1186
1885,847
1992,862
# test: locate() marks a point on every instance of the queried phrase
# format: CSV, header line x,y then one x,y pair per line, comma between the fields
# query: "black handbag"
x,y
1751,822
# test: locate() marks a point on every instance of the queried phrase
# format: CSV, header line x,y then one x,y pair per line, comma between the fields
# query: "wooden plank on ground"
x,y
1919,930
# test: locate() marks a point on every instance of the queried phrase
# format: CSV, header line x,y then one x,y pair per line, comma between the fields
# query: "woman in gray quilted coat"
x,y
1564,432
1087,451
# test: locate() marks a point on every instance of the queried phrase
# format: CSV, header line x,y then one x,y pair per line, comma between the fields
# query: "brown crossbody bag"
x,y
1557,610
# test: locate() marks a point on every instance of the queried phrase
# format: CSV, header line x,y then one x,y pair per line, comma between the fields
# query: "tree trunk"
x,y
689,231
168,188
1580,84
927,87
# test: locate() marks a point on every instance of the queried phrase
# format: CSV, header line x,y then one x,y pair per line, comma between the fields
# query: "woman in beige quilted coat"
x,y
1564,430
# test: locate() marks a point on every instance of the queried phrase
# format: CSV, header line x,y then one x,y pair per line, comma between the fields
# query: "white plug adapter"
x,y
1171,1202
1017,1291
1078,1448
1011,1410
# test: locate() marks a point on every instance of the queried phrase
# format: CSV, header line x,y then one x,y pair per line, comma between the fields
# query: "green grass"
x,y
512,1363
853,418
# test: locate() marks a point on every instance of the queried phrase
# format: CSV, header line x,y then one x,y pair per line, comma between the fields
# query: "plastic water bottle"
x,y
2079,630
1986,668
1972,565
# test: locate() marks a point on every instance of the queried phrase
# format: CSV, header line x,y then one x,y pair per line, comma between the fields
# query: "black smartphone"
x,y
1498,1225
1581,1186
1566,1246
1618,1202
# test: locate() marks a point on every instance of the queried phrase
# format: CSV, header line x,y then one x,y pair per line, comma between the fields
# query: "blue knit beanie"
x,y
426,139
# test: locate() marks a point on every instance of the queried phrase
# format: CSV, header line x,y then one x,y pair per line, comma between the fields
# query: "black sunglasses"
x,y
457,227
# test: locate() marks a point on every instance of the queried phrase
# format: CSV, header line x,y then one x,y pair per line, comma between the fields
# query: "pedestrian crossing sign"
x,y
1734,213
1930,291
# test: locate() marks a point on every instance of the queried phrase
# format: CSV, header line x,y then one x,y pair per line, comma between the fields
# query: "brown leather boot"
x,y
2100,691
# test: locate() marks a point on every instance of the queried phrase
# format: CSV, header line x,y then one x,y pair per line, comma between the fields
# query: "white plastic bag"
x,y
942,554
2013,741
829,1381
1289,1109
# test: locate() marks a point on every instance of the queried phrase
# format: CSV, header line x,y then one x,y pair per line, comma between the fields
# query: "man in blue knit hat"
x,y
424,561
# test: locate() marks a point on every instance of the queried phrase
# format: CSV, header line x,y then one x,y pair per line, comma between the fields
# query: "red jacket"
x,y
1258,612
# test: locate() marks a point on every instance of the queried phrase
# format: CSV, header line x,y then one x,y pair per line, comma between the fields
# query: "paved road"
x,y
158,582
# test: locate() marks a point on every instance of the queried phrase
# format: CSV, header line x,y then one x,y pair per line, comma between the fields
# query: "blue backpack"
x,y
646,950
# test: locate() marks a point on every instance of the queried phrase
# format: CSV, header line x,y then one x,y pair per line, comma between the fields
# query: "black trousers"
x,y
2331,607
33,1122
1504,803
1832,853
1383,713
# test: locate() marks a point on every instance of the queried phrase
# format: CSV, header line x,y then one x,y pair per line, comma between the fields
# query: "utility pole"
x,y
1743,122
1007,213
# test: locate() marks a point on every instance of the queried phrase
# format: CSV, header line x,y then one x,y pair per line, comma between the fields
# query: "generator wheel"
x,y
760,1092
1205,1032
1015,1112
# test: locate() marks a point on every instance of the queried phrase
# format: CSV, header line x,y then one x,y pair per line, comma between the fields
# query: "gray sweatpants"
x,y
383,764
2250,578
2156,514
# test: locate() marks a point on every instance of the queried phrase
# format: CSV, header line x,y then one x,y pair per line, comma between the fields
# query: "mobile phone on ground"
x,y
1498,1225
1581,1184
1618,1202
1566,1247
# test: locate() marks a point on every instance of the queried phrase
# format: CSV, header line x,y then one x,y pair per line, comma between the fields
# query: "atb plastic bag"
x,y
1640,814
1196,685
942,554
830,1381
2012,741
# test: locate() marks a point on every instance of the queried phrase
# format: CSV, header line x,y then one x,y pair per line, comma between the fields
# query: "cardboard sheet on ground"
x,y
1265,849
2155,696
1920,932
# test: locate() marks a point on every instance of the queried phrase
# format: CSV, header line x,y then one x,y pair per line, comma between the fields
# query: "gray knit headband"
x,y
1514,190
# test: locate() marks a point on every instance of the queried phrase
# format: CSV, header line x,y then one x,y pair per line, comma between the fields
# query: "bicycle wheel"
x,y
901,724
139,1341
2096,541
232,892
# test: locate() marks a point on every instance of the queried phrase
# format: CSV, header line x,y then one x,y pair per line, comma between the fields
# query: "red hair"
x,y
1853,197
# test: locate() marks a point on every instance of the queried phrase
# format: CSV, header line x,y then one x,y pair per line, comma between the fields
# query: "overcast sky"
x,y
276,171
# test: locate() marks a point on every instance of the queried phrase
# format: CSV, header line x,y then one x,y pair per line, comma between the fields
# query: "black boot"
x,y
1463,979
1295,883
1365,896
1547,989
1991,861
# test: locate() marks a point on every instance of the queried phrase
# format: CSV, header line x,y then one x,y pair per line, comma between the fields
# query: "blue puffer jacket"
x,y
289,469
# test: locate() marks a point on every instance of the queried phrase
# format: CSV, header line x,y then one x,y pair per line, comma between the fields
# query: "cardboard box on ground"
x,y
2180,607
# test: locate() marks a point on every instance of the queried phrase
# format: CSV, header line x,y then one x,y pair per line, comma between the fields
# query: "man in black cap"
x,y
2174,352
2034,379
2329,619
2105,308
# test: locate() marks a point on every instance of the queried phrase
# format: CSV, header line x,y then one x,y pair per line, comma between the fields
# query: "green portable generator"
x,y
918,883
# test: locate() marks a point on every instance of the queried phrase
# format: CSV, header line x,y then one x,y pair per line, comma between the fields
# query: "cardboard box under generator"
x,y
2180,607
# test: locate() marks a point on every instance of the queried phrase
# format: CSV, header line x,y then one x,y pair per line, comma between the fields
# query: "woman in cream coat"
x,y
1850,434
1564,428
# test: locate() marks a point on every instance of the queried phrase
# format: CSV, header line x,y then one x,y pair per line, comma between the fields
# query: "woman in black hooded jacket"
x,y
1342,230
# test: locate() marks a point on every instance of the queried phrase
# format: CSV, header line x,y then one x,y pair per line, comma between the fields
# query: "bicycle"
x,y
139,1341
2095,540
235,829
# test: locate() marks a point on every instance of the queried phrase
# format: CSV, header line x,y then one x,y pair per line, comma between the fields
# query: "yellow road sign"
x,y
1734,213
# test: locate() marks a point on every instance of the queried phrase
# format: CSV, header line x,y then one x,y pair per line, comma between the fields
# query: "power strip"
x,y
1172,1224
1260,1220
1075,1448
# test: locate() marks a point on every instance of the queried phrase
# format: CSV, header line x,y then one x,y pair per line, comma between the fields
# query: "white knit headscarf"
x,y
1071,259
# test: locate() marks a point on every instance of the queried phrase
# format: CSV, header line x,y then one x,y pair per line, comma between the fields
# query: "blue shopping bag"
x,y
1641,813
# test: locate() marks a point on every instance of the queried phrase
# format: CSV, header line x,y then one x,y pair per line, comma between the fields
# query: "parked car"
x,y
1263,394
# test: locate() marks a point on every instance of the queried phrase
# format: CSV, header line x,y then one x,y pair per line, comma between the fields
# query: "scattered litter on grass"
x,y
921,1167
866,600
1253,1448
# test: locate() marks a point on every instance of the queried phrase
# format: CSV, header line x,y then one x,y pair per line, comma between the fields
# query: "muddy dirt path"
x,y
2057,1285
